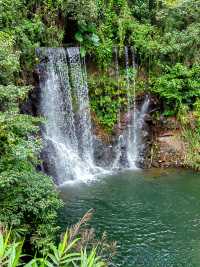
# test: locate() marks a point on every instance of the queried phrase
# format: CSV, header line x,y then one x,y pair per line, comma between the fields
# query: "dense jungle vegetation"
x,y
166,39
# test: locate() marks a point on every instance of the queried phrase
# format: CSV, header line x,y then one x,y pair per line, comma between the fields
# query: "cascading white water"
x,y
140,118
80,87
137,116
134,93
65,105
130,140
118,152
67,132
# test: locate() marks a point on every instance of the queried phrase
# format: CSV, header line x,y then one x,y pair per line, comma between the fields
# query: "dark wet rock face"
x,y
48,163
103,153
31,105
146,133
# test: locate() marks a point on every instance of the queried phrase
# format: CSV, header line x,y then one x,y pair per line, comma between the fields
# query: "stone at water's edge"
x,y
103,153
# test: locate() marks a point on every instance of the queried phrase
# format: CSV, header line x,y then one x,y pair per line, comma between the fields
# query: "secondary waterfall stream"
x,y
131,136
67,132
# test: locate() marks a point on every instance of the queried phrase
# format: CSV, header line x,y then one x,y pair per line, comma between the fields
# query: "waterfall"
x,y
136,115
67,130
129,141
80,87
65,105
134,93
118,151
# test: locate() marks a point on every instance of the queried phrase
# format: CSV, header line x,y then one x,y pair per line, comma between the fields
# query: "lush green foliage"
x,y
179,85
28,198
163,34
10,251
30,24
63,255
108,96
77,247
166,39
190,122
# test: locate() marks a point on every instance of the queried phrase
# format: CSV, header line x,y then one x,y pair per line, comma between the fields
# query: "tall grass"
x,y
77,248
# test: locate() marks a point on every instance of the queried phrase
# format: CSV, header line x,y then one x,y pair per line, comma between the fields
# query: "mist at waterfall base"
x,y
153,215
67,133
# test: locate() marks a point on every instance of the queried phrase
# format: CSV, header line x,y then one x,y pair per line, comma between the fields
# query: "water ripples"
x,y
154,221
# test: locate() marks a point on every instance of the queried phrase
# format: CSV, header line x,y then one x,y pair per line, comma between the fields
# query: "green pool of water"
x,y
153,215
